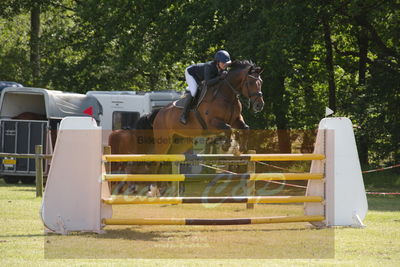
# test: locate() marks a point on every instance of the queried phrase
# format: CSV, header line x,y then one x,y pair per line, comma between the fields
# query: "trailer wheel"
x,y
11,179
28,180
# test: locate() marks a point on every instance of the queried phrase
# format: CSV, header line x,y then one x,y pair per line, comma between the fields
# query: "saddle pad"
x,y
199,98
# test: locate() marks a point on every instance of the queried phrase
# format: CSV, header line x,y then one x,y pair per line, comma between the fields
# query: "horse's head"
x,y
250,83
252,88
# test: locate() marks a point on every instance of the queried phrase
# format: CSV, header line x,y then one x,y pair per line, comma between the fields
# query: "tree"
x,y
343,54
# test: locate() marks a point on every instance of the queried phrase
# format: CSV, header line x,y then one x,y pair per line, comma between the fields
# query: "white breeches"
x,y
191,83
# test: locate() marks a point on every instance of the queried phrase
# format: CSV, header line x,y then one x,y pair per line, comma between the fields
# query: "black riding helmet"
x,y
222,56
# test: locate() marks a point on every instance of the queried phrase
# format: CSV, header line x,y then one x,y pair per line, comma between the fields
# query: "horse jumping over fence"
x,y
218,111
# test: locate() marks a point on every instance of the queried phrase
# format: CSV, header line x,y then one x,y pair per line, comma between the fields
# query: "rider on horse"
x,y
210,72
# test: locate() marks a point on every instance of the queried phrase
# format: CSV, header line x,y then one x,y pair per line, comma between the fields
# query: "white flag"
x,y
328,111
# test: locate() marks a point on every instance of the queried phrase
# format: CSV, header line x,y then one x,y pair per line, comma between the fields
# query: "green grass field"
x,y
23,242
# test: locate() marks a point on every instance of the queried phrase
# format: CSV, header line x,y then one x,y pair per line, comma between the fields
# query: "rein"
x,y
239,93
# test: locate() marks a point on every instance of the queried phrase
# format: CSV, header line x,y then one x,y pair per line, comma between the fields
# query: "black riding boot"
x,y
185,111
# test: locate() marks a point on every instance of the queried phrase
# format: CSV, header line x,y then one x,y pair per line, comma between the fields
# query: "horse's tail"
x,y
145,122
144,132
114,140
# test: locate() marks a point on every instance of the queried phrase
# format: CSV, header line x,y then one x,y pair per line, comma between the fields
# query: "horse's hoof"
x,y
225,147
150,194
236,152
132,190
158,194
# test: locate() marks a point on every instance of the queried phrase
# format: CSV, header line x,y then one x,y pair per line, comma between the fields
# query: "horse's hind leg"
x,y
162,144
117,187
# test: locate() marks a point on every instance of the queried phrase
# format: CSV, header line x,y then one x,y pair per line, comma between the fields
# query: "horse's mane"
x,y
241,64
145,122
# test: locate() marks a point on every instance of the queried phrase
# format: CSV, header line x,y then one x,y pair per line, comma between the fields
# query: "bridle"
x,y
257,94
246,81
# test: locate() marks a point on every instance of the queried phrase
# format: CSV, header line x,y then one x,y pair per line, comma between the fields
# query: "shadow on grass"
x,y
24,189
32,235
157,235
18,187
131,234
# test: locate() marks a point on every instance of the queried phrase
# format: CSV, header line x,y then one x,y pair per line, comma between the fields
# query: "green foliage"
x,y
14,50
146,45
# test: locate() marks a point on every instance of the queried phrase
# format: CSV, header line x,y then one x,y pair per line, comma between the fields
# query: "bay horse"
x,y
218,112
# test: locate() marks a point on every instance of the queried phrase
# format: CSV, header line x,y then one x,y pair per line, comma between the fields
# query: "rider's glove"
x,y
223,75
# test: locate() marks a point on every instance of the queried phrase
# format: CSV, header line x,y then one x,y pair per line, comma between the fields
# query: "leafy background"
x,y
343,54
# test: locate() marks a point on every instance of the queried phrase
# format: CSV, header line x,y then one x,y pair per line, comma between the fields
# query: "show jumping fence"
x,y
77,195
221,158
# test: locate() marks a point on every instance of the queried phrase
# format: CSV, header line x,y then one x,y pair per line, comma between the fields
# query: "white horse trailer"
x,y
30,117
43,110
122,108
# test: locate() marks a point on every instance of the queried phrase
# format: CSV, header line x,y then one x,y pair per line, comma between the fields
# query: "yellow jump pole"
x,y
212,157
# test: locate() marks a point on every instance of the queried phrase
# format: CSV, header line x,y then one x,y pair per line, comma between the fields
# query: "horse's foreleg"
x,y
222,127
244,132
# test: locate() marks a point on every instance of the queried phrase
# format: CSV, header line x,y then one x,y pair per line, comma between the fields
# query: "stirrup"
x,y
183,119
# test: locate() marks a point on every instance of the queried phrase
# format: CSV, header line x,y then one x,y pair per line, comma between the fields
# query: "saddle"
x,y
201,93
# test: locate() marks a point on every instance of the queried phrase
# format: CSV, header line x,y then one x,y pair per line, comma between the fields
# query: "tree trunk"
x,y
34,43
329,64
280,108
363,52
362,69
